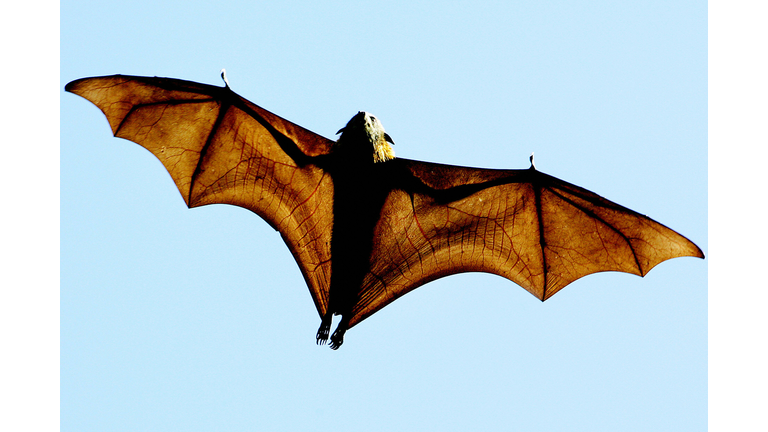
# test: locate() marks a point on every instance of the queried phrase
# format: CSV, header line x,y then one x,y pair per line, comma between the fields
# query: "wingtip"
x,y
694,249
72,85
700,254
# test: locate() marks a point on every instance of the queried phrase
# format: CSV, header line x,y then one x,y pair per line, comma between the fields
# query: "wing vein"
x,y
214,130
542,241
596,217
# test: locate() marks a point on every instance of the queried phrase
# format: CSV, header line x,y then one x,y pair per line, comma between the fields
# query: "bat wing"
x,y
221,148
531,228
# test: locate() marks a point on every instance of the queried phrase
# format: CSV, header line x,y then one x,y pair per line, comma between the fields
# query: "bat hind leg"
x,y
338,336
325,329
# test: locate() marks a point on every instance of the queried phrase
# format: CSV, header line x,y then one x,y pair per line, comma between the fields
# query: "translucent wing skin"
x,y
436,220
531,228
220,148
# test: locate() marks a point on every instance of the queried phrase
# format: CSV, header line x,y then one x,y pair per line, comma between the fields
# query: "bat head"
x,y
363,135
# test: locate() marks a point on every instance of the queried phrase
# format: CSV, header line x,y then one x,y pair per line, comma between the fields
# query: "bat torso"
x,y
359,196
360,168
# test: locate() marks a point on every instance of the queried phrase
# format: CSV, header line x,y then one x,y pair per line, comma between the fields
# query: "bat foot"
x,y
338,338
323,332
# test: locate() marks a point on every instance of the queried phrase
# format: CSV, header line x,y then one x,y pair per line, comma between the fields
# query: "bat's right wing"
x,y
221,148
534,229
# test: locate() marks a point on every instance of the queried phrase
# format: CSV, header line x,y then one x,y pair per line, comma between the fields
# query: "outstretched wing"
x,y
534,229
220,148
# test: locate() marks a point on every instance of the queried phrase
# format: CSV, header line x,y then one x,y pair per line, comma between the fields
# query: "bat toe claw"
x,y
337,339
323,332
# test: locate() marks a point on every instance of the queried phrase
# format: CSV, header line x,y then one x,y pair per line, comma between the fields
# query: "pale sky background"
x,y
200,320
177,319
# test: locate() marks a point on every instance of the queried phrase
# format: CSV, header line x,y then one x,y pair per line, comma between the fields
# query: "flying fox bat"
x,y
364,226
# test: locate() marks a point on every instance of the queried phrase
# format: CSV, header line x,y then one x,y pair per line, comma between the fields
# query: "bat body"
x,y
365,227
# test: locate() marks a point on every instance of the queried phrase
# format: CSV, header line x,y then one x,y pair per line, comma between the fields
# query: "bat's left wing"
x,y
534,229
221,148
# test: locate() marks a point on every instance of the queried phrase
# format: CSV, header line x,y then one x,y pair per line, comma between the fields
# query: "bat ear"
x,y
387,138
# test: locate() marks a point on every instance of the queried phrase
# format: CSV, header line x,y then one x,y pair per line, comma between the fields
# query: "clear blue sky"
x,y
177,319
